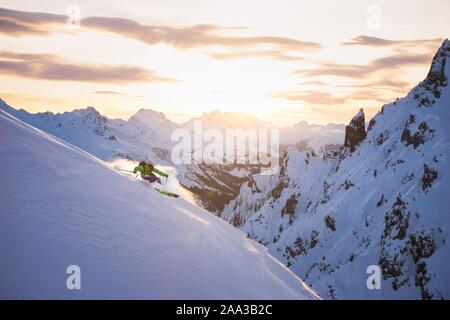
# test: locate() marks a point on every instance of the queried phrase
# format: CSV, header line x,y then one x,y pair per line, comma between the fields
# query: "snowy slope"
x,y
60,206
146,136
381,200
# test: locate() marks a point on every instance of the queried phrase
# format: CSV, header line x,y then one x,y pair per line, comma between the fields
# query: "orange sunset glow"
x,y
286,61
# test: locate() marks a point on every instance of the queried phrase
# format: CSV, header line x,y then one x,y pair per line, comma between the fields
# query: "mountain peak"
x,y
358,115
430,88
154,121
89,110
147,114
229,119
437,74
4,105
302,124
355,132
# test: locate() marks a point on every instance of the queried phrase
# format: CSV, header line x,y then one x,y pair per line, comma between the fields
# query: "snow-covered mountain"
x,y
147,133
217,185
382,200
143,136
320,138
148,127
61,206
315,135
146,136
228,120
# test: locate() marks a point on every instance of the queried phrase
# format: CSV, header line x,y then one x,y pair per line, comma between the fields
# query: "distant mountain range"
x,y
146,136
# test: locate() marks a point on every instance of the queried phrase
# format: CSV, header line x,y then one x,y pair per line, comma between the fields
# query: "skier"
x,y
147,169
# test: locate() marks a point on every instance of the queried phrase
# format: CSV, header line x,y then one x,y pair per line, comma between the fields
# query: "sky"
x,y
284,61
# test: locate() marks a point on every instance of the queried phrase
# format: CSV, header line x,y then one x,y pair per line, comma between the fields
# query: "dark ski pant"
x,y
152,178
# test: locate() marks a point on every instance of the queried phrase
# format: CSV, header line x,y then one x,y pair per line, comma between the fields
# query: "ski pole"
x,y
125,170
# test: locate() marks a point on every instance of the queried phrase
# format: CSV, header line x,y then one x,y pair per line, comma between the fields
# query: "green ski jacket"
x,y
147,169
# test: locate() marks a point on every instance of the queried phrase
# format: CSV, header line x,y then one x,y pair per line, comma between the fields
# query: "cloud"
x,y
360,71
379,84
312,97
116,93
187,37
26,98
52,67
27,17
344,114
325,98
315,83
273,54
18,30
380,42
108,92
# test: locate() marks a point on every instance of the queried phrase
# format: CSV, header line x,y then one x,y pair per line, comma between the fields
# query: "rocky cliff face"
x,y
355,132
379,201
436,79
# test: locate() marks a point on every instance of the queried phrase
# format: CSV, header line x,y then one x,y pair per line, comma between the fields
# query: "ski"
x,y
167,193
